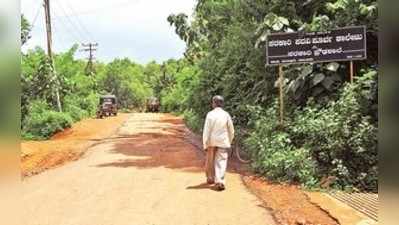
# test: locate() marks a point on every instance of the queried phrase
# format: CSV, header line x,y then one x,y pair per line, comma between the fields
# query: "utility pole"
x,y
90,47
48,28
49,50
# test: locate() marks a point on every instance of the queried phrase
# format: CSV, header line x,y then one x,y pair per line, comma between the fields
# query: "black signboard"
x,y
347,43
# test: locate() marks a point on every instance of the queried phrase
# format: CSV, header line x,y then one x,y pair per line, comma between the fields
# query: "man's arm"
x,y
206,132
230,128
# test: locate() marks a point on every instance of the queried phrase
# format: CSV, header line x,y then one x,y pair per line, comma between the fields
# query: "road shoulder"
x,y
68,145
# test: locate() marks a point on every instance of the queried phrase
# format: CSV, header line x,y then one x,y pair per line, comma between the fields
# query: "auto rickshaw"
x,y
107,106
153,104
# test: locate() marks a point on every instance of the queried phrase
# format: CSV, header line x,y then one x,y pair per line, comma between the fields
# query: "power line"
x,y
36,15
91,48
60,39
63,35
75,37
60,30
74,26
79,21
104,8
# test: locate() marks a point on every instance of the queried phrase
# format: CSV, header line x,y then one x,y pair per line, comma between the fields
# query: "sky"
x,y
137,29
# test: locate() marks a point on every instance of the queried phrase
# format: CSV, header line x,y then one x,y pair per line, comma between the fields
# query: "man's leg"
x,y
221,156
210,165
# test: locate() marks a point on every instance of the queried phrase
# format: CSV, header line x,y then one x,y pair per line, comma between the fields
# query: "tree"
x,y
126,80
225,40
25,30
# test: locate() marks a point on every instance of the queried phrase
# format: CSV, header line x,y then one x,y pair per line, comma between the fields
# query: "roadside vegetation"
x,y
330,132
79,90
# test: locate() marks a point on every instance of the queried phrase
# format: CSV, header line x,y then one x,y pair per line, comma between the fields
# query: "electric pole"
x,y
91,48
49,50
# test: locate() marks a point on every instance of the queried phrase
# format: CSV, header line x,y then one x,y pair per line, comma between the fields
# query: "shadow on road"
x,y
160,143
202,186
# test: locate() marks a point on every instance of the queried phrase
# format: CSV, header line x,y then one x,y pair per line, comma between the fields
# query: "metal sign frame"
x,y
317,33
280,65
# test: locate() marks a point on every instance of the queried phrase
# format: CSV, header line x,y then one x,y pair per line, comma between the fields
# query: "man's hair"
x,y
218,100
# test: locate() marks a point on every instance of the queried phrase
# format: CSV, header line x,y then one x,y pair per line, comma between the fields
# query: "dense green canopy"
x,y
331,126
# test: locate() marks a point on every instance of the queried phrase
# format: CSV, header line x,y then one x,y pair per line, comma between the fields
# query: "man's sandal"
x,y
220,187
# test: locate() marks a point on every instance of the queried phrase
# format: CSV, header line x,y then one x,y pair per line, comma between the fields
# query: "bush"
x,y
342,137
90,103
75,112
173,101
337,141
80,107
42,122
193,120
175,97
274,153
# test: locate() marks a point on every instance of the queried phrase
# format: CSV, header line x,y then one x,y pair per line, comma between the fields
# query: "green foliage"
x,y
342,136
126,80
175,97
25,30
79,92
353,12
39,82
81,107
44,122
37,79
193,120
338,140
274,152
320,82
226,40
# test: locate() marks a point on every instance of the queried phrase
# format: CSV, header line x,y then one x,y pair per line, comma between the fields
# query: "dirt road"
x,y
66,146
147,173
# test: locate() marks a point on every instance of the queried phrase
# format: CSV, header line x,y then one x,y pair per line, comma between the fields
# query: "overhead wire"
x,y
75,37
79,21
60,39
36,15
79,30
75,29
103,8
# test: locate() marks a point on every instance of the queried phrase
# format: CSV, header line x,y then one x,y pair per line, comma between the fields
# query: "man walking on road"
x,y
217,137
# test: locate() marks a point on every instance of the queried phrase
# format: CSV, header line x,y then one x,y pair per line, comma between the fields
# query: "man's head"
x,y
217,101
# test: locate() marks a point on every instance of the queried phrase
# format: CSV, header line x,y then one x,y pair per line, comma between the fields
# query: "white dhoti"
x,y
218,133
221,156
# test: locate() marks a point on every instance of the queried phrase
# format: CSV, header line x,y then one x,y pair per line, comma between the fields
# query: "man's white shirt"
x,y
218,129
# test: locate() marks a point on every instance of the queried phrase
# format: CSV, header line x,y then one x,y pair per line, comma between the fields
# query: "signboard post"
x,y
281,86
344,44
351,71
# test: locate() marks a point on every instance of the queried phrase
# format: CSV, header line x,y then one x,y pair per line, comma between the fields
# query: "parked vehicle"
x,y
153,104
107,106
